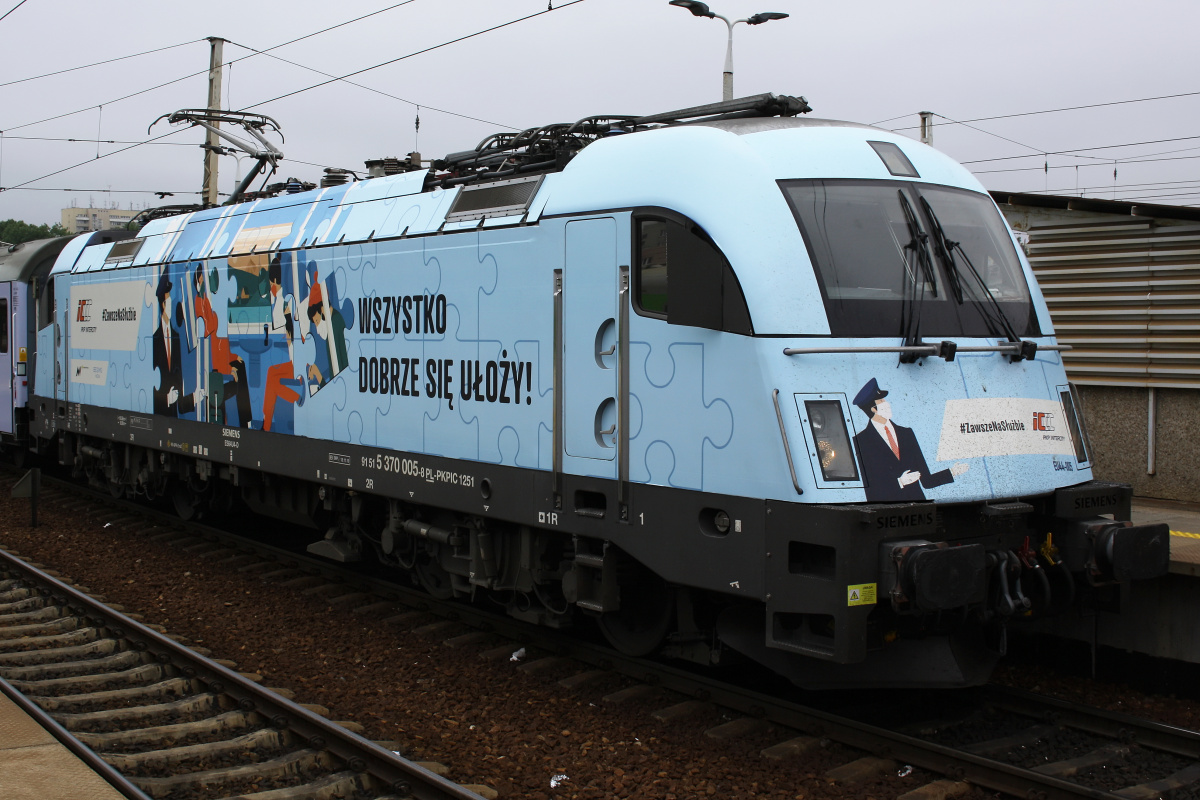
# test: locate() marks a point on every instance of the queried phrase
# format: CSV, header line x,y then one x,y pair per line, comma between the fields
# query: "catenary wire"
x,y
1082,149
1058,110
1123,162
1037,150
89,161
299,91
1110,187
1156,196
372,89
100,63
551,9
205,71
91,141
14,8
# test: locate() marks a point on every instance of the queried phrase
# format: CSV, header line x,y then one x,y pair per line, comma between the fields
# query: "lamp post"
x,y
699,9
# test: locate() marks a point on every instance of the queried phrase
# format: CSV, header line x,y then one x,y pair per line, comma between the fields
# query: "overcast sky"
x,y
867,61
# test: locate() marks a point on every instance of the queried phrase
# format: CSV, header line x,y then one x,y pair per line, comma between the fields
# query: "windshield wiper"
x,y
994,317
945,250
917,242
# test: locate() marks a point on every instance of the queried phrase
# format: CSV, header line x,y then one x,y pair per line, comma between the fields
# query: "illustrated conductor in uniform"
x,y
169,398
893,466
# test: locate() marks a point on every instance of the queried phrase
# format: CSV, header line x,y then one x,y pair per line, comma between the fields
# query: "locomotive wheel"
x,y
433,578
644,618
186,503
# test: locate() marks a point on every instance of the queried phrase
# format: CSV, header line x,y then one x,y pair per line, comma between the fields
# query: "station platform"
x,y
1184,521
35,766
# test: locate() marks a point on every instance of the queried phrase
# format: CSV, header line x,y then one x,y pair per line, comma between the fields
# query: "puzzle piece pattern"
x,y
677,420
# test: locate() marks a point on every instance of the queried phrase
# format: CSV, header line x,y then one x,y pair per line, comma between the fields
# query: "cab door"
x,y
590,353
62,325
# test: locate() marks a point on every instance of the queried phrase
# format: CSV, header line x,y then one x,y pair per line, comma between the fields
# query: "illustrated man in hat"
x,y
893,466
330,328
169,398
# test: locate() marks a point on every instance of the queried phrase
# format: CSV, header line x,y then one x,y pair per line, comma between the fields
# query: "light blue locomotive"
x,y
727,380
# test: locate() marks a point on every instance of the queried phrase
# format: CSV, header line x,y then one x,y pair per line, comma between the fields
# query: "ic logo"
x,y
84,314
1042,421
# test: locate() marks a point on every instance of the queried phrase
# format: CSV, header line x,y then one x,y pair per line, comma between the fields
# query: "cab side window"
x,y
683,278
46,312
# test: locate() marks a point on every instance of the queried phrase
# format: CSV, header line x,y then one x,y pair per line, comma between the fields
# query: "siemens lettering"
x,y
423,313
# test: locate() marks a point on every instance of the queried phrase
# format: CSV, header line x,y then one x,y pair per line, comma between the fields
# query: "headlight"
x,y
833,442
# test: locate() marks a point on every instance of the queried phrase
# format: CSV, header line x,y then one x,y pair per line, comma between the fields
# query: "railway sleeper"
x,y
1153,790
59,655
45,613
138,674
1026,737
79,636
23,605
262,740
8,584
291,766
15,593
123,660
330,787
145,716
60,625
78,703
222,726
1072,766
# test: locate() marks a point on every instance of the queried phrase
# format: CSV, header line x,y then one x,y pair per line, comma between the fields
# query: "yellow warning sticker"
x,y
22,354
862,594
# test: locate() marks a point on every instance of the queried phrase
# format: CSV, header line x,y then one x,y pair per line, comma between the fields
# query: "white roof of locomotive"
x,y
724,176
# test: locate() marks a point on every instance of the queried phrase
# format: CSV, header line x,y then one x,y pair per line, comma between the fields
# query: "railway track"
x,y
1020,744
171,722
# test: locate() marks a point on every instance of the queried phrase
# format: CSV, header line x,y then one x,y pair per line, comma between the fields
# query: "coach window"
x,y
683,278
3,324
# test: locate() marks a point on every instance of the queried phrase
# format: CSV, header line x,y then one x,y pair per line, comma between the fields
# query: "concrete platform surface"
x,y
35,766
1182,517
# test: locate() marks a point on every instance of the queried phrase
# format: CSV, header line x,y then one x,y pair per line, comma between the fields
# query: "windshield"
x,y
876,262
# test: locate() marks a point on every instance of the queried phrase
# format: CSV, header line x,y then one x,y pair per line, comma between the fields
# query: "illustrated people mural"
x,y
223,363
893,466
169,396
329,326
280,377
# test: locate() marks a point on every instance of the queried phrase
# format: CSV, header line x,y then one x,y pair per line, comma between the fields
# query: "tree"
x,y
14,231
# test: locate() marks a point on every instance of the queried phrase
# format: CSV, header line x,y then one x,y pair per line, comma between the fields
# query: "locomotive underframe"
x,y
878,594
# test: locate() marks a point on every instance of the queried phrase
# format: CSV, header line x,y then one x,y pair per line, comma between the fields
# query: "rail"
x,y
387,770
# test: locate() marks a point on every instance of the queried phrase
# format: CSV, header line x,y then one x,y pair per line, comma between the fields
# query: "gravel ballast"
x,y
489,722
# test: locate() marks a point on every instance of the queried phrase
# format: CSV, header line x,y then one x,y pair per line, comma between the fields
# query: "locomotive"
x,y
728,382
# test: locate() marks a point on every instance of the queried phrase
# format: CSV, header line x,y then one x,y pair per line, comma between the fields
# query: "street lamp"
x,y
699,9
